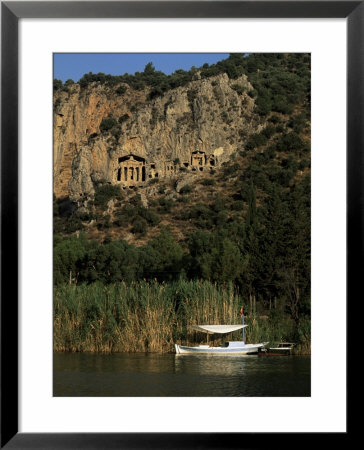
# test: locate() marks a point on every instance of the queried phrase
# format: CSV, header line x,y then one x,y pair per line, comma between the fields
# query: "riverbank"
x,y
151,317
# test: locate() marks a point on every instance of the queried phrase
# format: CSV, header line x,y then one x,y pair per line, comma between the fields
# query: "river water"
x,y
170,375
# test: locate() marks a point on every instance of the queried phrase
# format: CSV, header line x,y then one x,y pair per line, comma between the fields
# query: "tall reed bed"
x,y
147,316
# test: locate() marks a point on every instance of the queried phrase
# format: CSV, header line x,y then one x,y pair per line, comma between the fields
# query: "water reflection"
x,y
211,364
143,375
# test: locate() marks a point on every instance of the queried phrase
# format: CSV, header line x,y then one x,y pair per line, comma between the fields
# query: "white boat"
x,y
231,347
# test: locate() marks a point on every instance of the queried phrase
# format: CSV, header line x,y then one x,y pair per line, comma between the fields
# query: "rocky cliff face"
x,y
129,139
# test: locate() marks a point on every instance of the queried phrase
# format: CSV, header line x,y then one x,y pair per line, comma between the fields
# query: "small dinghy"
x,y
282,349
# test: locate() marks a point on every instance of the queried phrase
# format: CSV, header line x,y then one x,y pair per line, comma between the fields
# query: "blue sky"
x,y
75,65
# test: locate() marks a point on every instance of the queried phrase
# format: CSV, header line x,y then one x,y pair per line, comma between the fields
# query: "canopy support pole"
x,y
242,321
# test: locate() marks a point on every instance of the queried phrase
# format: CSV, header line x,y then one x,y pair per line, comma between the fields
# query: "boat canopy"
x,y
221,329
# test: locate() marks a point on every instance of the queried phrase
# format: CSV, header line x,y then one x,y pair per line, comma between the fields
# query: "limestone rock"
x,y
189,130
184,181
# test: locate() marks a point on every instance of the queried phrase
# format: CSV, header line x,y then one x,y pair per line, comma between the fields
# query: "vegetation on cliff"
x,y
280,81
245,224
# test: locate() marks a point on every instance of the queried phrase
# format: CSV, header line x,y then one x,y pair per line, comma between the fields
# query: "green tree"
x,y
149,69
57,84
111,262
251,255
162,257
227,263
68,253
296,267
272,244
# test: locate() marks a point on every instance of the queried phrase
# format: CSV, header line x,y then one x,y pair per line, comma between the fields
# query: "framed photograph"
x,y
174,172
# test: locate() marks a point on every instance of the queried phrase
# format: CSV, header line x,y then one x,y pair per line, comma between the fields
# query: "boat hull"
x,y
247,349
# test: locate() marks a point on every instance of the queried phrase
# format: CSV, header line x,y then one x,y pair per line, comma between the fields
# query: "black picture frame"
x,y
11,12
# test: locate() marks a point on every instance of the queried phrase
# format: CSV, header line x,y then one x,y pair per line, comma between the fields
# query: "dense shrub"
x,y
185,189
139,226
107,123
165,205
238,88
208,182
121,89
290,142
274,119
230,170
57,84
104,193
255,140
134,212
268,131
123,118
